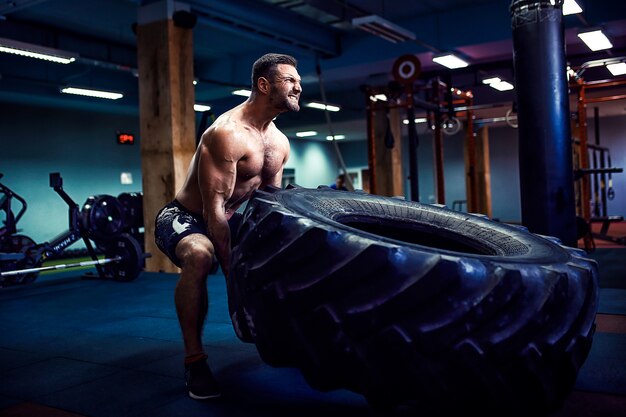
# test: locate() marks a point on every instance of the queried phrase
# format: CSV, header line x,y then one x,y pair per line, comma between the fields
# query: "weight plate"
x,y
406,69
131,261
133,209
103,217
451,126
511,118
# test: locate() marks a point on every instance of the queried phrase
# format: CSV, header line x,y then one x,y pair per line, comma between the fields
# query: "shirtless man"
x,y
240,152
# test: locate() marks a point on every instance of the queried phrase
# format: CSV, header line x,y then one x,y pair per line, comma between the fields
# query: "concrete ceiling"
x,y
229,35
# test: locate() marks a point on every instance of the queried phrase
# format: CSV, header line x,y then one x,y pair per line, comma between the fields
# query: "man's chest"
x,y
262,159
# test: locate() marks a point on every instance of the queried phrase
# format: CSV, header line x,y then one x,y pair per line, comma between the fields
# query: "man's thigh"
x,y
174,224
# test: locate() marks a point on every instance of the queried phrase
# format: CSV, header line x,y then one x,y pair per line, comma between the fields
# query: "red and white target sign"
x,y
406,69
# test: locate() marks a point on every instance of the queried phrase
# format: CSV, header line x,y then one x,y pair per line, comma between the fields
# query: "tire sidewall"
x,y
499,242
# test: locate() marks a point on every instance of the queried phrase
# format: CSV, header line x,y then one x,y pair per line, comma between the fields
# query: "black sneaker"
x,y
200,382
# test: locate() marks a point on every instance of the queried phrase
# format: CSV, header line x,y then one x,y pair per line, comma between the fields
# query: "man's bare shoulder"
x,y
227,123
227,129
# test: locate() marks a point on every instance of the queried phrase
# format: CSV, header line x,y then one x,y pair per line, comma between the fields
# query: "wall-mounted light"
x,y
11,46
242,93
201,107
595,39
383,28
323,106
498,83
336,137
306,133
111,95
450,60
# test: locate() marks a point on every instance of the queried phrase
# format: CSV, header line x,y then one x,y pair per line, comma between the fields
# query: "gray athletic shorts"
x,y
174,222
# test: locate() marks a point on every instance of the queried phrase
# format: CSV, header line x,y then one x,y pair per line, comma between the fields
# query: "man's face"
x,y
286,88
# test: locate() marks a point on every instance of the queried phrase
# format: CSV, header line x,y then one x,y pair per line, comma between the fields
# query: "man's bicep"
x,y
217,173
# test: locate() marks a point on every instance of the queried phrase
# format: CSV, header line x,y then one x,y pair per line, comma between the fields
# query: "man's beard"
x,y
283,103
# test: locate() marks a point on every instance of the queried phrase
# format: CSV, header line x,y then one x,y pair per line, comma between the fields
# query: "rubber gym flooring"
x,y
82,347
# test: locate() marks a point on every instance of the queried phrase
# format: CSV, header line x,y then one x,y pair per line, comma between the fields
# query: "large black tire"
x,y
412,303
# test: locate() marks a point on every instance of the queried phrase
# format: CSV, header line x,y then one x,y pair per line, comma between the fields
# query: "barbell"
x,y
123,261
59,266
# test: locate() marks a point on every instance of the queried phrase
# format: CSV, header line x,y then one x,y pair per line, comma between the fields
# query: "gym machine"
x,y
11,219
11,242
444,106
591,171
101,220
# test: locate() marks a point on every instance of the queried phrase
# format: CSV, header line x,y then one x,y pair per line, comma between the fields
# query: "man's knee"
x,y
196,255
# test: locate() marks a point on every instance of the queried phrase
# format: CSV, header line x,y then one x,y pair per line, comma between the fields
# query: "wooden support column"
x,y
167,121
388,162
479,173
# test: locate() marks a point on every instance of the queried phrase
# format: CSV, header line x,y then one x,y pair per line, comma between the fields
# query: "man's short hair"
x,y
266,66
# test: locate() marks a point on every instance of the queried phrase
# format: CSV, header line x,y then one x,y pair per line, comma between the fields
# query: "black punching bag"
x,y
545,147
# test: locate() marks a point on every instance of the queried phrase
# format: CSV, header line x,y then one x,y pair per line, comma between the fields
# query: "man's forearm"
x,y
219,233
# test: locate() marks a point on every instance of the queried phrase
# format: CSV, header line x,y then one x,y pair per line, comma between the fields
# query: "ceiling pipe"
x,y
257,21
12,6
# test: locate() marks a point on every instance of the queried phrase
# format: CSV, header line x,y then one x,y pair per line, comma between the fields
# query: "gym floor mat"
x,y
98,348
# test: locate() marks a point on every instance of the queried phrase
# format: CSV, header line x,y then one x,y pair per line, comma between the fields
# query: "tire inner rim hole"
x,y
410,232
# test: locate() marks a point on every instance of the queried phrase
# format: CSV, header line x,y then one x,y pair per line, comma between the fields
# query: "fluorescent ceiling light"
x,y
492,80
502,86
337,137
10,46
417,120
201,107
450,60
378,97
383,28
92,93
595,40
306,133
571,7
498,83
617,69
323,106
243,93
